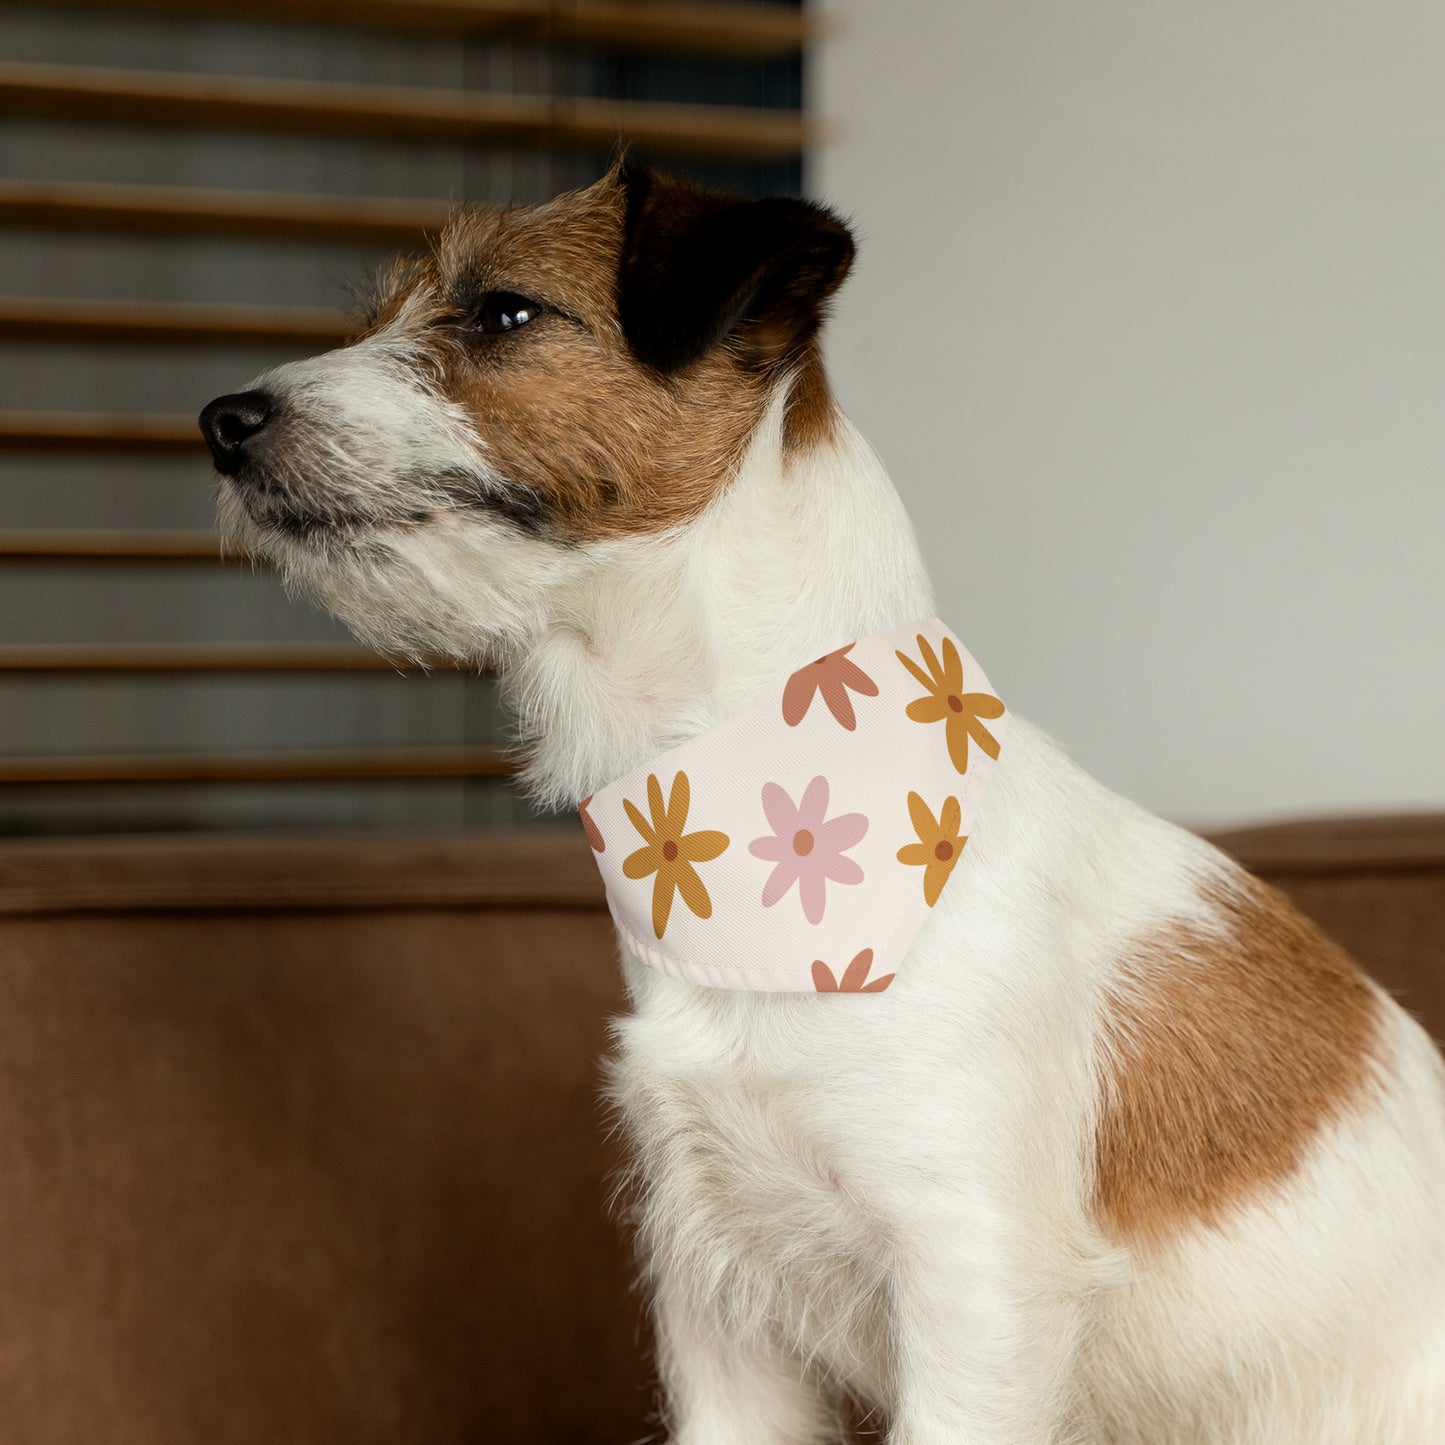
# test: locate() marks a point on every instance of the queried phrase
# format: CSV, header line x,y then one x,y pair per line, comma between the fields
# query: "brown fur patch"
x,y
606,447
1226,1054
812,413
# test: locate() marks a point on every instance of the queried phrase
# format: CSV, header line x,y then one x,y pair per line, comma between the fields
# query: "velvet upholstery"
x,y
302,1138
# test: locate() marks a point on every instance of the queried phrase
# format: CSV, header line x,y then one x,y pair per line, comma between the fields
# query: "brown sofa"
x,y
301,1138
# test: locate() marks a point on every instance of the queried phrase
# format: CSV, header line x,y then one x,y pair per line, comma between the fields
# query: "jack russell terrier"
x,y
1074,1134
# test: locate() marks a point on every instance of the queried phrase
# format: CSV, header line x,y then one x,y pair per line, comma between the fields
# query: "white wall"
x,y
1149,324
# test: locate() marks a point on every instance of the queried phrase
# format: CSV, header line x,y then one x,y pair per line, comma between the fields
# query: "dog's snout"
x,y
229,422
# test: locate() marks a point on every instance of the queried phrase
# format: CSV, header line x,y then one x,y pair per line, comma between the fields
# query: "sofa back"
x,y
303,1139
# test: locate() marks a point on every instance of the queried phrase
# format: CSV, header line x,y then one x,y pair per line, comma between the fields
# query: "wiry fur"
x,y
895,1195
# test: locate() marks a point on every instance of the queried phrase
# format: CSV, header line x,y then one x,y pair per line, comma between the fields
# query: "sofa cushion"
x,y
303,1135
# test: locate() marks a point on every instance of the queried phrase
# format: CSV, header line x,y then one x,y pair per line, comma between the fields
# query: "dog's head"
x,y
547,383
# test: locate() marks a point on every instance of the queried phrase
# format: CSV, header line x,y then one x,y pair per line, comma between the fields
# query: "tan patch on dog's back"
x,y
1227,1052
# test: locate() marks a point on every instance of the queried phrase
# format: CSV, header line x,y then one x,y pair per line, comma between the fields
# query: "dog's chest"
x,y
745,1183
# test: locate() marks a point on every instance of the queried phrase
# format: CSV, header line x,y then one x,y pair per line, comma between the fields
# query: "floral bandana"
x,y
800,845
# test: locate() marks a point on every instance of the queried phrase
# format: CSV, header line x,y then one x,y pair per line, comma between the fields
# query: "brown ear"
x,y
700,266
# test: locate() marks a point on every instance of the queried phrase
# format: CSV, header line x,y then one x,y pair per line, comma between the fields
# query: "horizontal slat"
x,y
84,431
171,323
549,867
128,657
698,29
258,767
174,210
218,102
75,544
757,31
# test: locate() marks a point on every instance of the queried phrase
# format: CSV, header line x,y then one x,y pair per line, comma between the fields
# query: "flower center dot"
x,y
943,851
669,851
802,842
955,702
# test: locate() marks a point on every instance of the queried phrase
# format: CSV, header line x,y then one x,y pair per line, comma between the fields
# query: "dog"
x,y
1127,1153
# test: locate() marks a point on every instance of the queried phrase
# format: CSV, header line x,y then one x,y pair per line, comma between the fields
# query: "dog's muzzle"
x,y
230,422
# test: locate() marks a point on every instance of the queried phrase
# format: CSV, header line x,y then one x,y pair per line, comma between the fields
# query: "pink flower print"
x,y
832,676
855,976
807,848
589,826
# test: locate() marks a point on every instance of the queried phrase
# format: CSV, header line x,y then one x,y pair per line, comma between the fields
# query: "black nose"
x,y
229,422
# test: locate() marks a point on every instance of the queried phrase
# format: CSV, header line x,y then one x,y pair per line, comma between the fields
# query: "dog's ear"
x,y
699,266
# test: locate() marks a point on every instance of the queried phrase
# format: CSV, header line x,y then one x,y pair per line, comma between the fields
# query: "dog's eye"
x,y
504,311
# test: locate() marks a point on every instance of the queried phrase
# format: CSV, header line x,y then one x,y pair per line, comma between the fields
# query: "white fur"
x,y
890,1194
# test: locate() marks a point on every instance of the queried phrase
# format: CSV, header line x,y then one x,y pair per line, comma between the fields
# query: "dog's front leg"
x,y
984,1348
721,1388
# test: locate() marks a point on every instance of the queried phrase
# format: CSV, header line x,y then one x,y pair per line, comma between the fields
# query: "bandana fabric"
x,y
799,846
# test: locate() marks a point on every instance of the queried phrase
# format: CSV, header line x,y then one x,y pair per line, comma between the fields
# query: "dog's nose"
x,y
229,422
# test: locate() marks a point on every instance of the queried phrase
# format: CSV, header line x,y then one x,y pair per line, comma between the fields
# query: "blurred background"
x,y
187,191
1146,323
1149,324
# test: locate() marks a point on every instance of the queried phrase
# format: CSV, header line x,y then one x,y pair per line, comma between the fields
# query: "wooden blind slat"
x,y
76,544
709,29
202,657
756,32
171,323
258,767
216,102
78,431
112,97
175,210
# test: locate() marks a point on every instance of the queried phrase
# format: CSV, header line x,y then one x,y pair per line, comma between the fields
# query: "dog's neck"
x,y
804,552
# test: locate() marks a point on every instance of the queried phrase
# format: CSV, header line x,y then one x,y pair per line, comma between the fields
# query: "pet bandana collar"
x,y
800,845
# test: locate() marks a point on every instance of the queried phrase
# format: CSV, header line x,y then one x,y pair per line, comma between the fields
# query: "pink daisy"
x,y
807,848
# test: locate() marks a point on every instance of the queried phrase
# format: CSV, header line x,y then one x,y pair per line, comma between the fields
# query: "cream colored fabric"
x,y
800,845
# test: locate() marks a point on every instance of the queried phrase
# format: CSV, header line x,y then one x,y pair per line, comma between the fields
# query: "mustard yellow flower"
x,y
939,845
669,852
962,713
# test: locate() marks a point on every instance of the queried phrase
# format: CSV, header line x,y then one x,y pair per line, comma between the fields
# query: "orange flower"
x,y
938,847
593,832
962,712
832,676
670,853
853,976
